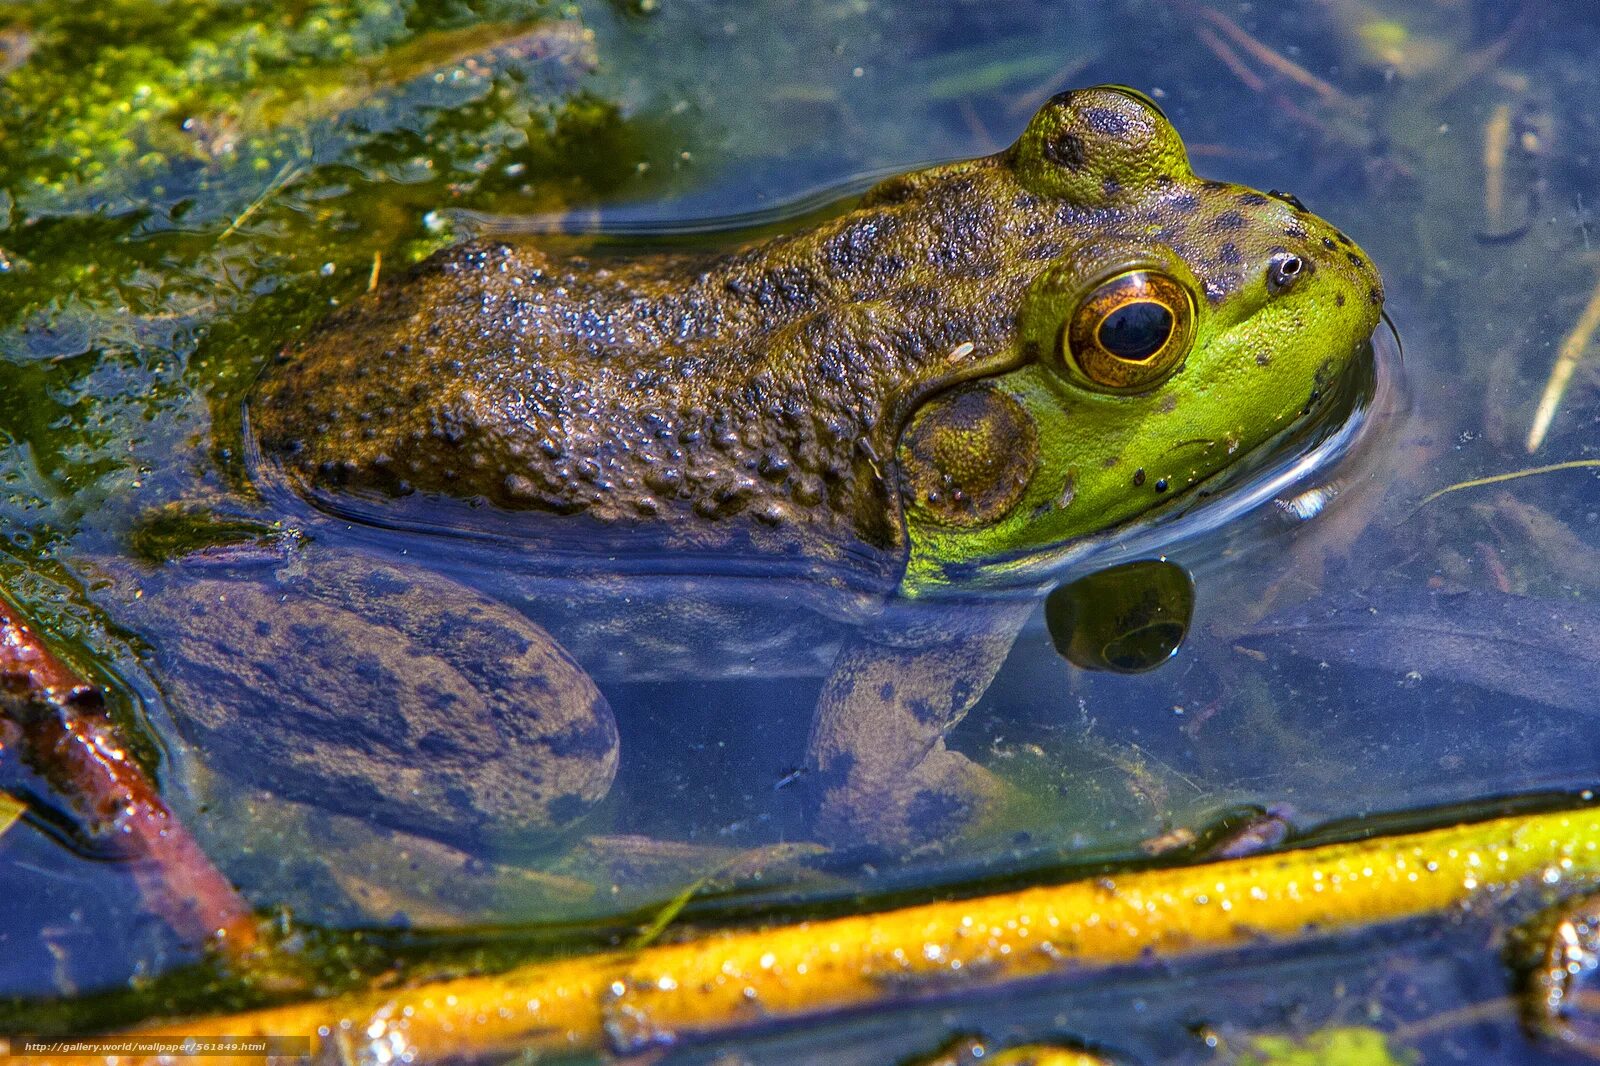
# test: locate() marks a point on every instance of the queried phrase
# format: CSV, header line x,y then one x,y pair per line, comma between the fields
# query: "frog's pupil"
x,y
1136,330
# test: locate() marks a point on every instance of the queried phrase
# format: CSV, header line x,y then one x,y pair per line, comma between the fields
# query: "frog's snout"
x,y
1325,275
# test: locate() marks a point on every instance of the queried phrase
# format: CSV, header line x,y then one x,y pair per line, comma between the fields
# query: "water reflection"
x,y
1126,619
1373,658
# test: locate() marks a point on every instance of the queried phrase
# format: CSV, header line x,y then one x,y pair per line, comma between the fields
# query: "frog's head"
x,y
1183,323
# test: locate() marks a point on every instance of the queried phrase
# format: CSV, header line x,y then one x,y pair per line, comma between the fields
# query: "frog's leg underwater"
x,y
334,677
878,737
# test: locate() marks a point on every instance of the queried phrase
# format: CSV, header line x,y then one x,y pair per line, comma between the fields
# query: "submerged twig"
x,y
1572,349
287,174
977,126
1026,103
1231,59
1474,64
58,724
1434,1025
1506,133
1254,81
669,913
1496,143
1495,479
1278,62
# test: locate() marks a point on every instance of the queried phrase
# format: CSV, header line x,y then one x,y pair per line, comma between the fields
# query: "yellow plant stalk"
x,y
1572,349
970,1051
717,982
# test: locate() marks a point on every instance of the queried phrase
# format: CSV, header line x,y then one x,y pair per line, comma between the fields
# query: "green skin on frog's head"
x,y
1194,322
978,360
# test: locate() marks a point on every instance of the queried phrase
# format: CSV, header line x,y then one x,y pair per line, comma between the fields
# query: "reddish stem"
x,y
57,723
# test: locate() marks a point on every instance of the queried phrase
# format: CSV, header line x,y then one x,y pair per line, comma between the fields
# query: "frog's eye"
x,y
1131,332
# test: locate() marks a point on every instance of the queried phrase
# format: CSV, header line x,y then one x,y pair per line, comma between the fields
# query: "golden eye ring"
x,y
1131,333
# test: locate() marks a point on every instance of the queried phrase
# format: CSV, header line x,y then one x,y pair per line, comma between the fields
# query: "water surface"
x,y
185,185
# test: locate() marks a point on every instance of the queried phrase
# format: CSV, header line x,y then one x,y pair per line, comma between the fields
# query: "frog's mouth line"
x,y
1300,462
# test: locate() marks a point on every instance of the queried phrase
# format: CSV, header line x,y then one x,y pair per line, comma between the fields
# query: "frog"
x,y
876,419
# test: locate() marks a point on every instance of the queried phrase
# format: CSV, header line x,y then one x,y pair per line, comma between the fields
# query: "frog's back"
x,y
748,400
496,373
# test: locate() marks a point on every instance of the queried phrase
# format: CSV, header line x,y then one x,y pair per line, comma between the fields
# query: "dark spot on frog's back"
x,y
487,635
962,694
862,243
1251,199
371,670
1066,150
1105,121
1220,285
788,287
1228,221
1025,203
436,744
441,703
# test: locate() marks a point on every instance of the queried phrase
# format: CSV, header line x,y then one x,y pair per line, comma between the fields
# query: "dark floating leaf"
x,y
1545,651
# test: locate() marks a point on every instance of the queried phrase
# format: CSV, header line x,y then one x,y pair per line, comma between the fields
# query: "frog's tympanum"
x,y
978,363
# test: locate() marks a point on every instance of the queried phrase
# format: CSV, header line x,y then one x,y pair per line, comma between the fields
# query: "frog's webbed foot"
x,y
937,798
877,742
394,693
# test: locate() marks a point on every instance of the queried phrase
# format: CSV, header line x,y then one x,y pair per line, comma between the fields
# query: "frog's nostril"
x,y
1283,271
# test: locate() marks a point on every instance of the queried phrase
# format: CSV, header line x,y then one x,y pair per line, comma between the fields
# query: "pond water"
x,y
188,186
